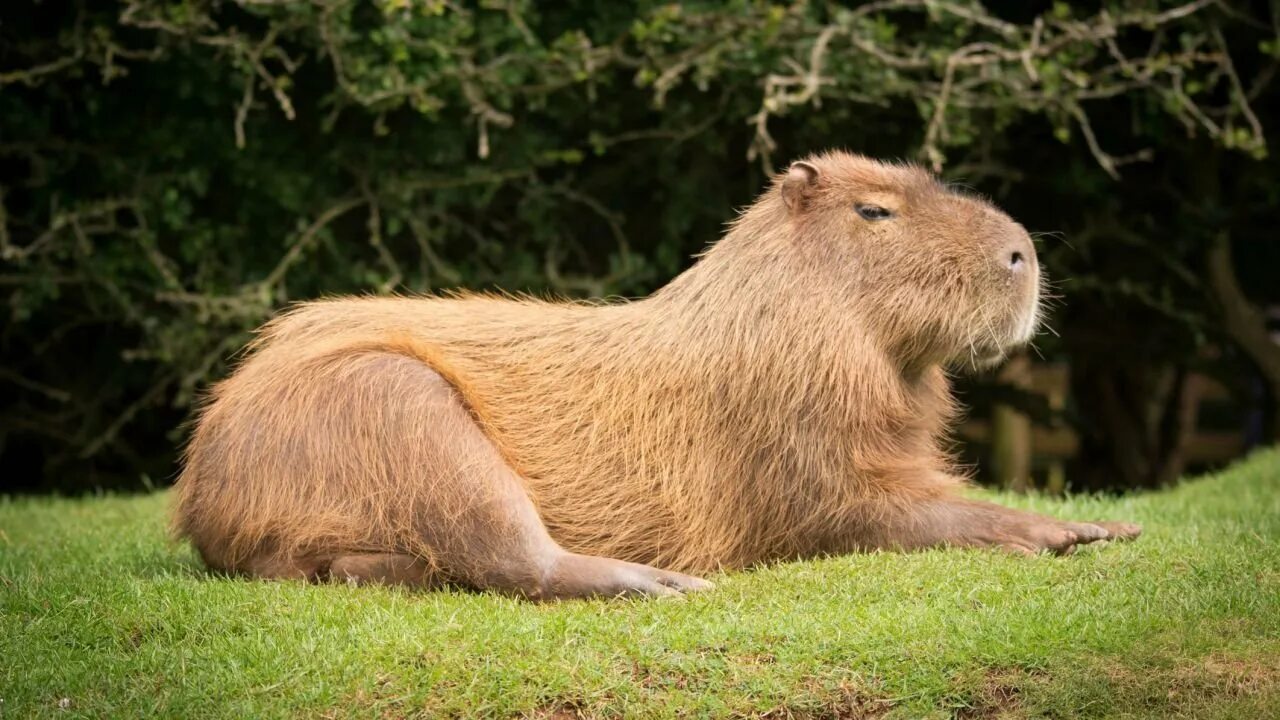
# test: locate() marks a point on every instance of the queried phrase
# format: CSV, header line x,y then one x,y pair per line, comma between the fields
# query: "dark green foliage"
x,y
174,172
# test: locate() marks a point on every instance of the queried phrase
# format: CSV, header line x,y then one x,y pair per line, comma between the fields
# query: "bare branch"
x,y
306,239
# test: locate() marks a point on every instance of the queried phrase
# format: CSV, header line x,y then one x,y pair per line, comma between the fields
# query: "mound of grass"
x,y
100,615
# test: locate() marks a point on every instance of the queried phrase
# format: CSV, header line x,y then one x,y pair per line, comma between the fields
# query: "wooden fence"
x,y
1016,444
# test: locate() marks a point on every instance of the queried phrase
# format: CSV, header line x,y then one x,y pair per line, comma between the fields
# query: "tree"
x,y
174,172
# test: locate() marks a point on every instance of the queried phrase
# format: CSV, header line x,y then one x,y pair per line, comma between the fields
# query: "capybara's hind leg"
x,y
382,569
275,567
468,509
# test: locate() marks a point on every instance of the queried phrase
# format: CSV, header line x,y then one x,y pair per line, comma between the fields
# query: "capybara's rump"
x,y
294,463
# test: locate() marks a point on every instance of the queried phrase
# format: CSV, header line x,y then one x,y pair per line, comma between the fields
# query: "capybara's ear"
x,y
798,185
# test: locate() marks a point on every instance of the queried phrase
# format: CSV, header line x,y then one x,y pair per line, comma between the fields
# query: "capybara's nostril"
x,y
1016,261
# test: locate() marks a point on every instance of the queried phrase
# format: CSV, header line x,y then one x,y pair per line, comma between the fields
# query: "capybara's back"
x,y
784,397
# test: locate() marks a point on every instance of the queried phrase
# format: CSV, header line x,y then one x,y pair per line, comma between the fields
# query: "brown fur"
x,y
784,397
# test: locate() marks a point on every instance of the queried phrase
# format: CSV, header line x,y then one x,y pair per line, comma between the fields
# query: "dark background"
x,y
172,173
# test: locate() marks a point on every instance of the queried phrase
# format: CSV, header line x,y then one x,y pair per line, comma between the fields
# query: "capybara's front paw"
x,y
1029,536
1119,530
577,576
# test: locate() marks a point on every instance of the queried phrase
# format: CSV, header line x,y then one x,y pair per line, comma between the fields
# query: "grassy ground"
x,y
101,616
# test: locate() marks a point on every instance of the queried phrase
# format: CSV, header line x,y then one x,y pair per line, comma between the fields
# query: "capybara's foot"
x,y
1028,534
381,569
578,576
1119,530
957,522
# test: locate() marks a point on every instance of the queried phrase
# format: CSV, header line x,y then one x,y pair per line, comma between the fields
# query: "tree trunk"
x,y
1246,325
1140,417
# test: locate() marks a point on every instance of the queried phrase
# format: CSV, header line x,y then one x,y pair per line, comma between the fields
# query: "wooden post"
x,y
1055,482
1011,431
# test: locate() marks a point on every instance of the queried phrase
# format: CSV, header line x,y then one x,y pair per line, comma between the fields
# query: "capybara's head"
x,y
938,274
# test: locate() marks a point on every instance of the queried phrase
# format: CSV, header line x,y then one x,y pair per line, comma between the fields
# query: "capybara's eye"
x,y
873,212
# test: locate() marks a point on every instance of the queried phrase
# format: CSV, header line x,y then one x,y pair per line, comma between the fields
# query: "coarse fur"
x,y
784,397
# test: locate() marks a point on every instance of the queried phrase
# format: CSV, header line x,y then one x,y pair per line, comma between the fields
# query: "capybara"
x,y
785,397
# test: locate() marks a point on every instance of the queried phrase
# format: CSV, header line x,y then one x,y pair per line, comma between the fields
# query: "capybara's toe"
x,y
1121,530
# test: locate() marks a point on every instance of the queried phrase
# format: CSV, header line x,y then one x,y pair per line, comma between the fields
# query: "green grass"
x,y
101,616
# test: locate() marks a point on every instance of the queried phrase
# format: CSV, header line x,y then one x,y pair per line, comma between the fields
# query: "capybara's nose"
x,y
1018,255
1016,261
